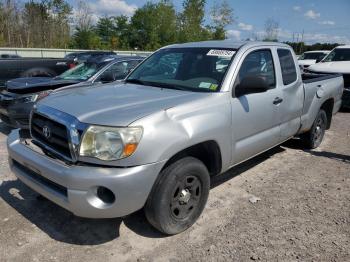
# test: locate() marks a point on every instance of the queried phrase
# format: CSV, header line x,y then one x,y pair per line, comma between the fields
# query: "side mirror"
x,y
250,85
318,60
107,78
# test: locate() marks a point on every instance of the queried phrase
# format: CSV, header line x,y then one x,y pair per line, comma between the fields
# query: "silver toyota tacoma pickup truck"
x,y
188,112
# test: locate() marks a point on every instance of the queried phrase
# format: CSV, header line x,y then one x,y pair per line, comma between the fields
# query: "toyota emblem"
x,y
46,132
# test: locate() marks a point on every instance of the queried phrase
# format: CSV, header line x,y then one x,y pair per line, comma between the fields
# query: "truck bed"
x,y
311,78
319,87
11,68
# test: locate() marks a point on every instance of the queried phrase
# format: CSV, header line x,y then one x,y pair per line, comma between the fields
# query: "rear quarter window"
x,y
289,73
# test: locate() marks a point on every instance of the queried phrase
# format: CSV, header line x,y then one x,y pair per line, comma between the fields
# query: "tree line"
x,y
301,47
54,24
35,24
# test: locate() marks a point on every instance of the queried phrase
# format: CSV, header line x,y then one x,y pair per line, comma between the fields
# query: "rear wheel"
x,y
179,197
313,138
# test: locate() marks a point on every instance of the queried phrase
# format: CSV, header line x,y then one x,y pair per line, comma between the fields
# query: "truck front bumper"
x,y
77,188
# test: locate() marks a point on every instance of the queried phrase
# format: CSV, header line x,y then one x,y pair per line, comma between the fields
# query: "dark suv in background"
x,y
17,100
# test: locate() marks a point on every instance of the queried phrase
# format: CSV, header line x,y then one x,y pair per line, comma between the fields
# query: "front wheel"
x,y
313,138
179,196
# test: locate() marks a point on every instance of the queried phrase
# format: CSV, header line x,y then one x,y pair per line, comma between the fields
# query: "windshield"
x,y
338,54
190,69
312,56
81,72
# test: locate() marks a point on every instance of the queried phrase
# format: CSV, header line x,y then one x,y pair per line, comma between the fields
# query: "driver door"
x,y
255,116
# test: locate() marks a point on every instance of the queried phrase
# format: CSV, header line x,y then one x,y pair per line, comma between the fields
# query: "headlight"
x,y
110,143
35,97
28,99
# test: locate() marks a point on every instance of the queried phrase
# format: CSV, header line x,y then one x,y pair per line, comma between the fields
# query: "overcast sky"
x,y
320,20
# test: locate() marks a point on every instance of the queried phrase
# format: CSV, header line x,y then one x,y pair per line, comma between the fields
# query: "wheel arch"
x,y
207,151
328,106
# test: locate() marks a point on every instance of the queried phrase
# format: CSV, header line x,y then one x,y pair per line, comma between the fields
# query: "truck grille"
x,y
50,133
346,80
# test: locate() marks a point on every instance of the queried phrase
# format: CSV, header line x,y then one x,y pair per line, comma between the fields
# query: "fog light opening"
x,y
105,195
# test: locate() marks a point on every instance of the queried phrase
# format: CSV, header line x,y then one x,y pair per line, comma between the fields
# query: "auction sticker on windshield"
x,y
221,53
208,86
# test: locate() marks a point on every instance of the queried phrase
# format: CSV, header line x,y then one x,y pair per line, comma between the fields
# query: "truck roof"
x,y
317,51
227,44
343,46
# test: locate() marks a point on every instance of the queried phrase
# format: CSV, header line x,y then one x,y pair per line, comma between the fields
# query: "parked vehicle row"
x,y
311,57
153,141
17,100
336,62
11,68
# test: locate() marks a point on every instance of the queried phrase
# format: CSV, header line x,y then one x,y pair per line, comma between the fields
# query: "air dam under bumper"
x,y
75,187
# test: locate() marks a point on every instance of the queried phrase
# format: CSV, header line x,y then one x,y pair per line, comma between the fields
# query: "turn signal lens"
x,y
129,149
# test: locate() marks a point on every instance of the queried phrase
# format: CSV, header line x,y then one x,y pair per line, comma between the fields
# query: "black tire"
x,y
179,196
313,138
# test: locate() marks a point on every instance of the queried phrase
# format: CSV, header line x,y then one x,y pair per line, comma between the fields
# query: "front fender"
x,y
170,131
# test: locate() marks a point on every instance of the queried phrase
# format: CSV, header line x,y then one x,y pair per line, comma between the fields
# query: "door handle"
x,y
277,101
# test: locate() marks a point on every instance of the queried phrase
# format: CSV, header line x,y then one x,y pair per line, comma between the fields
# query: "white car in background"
x,y
336,62
311,57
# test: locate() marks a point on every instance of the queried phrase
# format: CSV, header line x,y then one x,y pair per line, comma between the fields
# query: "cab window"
x,y
289,73
258,64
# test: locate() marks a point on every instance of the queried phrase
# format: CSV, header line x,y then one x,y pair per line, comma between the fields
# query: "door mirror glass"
x,y
252,84
118,71
256,74
107,77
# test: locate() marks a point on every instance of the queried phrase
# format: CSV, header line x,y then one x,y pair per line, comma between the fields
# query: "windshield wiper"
x,y
158,84
169,86
155,84
135,81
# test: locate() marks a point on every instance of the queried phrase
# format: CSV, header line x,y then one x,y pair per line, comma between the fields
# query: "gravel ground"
x,y
285,205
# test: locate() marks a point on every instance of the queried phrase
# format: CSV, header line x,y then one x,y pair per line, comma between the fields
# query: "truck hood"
x,y
29,85
117,104
342,67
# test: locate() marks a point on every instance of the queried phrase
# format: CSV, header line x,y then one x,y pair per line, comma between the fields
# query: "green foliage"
x,y
86,39
301,47
42,23
48,23
191,21
222,16
153,26
105,29
123,29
